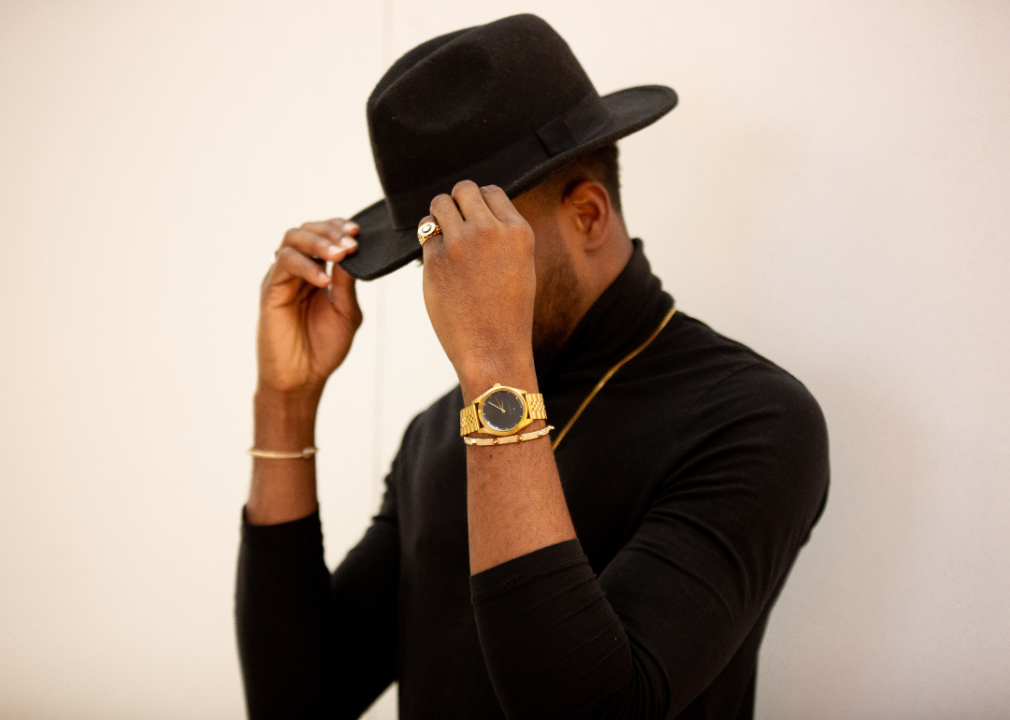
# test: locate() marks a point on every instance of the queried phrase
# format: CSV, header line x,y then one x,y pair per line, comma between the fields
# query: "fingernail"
x,y
323,277
350,227
347,243
333,250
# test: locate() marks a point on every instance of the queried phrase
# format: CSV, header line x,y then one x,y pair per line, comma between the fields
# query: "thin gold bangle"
x,y
303,454
509,439
610,374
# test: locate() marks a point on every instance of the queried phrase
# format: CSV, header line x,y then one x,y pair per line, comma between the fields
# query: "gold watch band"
x,y
469,422
535,402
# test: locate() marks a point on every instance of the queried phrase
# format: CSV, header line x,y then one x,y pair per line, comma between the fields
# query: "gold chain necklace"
x,y
610,374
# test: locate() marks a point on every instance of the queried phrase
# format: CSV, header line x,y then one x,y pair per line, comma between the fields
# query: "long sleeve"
x,y
674,605
312,644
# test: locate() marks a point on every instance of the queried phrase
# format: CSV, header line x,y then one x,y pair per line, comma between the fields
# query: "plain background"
x,y
832,191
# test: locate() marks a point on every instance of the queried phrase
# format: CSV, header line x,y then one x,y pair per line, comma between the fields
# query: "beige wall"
x,y
831,191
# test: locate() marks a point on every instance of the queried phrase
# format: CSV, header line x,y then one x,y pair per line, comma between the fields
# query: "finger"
x,y
427,219
470,201
338,231
348,226
344,227
344,297
499,204
322,241
446,214
293,264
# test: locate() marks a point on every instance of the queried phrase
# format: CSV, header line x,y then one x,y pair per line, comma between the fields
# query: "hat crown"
x,y
455,100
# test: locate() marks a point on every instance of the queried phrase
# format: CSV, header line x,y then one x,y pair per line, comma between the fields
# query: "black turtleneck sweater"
x,y
692,480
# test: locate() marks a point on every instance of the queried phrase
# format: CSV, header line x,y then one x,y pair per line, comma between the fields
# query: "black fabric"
x,y
692,479
504,103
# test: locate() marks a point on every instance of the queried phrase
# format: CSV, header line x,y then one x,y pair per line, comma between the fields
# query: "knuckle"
x,y
288,257
463,185
455,252
518,225
485,232
522,233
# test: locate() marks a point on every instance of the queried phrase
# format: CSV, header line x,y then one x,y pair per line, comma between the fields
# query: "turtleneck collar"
x,y
621,318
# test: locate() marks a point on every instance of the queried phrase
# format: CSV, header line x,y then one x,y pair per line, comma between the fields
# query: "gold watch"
x,y
501,411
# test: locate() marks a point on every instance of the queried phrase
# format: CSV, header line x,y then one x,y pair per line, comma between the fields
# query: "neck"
x,y
574,287
620,317
601,265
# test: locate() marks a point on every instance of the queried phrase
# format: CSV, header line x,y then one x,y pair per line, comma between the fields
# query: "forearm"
x,y
530,631
312,645
282,618
515,503
282,490
554,646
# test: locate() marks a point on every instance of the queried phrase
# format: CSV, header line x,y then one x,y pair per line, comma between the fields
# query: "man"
x,y
629,570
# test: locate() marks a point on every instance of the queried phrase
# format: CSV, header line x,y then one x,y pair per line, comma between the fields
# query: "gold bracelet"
x,y
509,439
303,454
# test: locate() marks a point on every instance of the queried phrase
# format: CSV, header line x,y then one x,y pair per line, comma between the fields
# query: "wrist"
x,y
284,421
478,378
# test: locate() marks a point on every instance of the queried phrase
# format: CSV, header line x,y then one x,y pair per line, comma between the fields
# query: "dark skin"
x,y
506,279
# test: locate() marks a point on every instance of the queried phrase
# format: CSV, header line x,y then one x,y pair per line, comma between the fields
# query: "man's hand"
x,y
479,288
307,322
305,329
480,285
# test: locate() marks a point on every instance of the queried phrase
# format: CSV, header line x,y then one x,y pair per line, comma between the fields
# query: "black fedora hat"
x,y
501,104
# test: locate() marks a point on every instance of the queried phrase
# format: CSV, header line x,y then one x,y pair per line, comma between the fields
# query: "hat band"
x,y
577,125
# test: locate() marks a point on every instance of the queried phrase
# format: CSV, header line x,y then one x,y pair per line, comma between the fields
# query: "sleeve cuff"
x,y
283,537
518,571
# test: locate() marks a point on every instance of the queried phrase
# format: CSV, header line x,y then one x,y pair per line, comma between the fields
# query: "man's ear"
x,y
589,211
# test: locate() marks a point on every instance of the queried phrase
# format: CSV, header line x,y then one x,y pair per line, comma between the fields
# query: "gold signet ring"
x,y
426,231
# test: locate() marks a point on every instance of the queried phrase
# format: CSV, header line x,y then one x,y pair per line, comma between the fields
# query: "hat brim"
x,y
383,248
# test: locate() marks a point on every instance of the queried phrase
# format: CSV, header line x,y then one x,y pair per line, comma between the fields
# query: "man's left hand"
x,y
480,284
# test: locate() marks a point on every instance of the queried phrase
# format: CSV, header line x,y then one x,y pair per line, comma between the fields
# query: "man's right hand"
x,y
307,322
307,318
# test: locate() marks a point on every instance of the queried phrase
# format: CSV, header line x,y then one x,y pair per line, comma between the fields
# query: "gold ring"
x,y
427,230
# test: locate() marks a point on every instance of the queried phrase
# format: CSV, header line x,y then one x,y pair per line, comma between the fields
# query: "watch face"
x,y
502,410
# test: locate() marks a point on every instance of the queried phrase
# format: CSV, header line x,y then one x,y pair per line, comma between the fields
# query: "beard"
x,y
556,303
